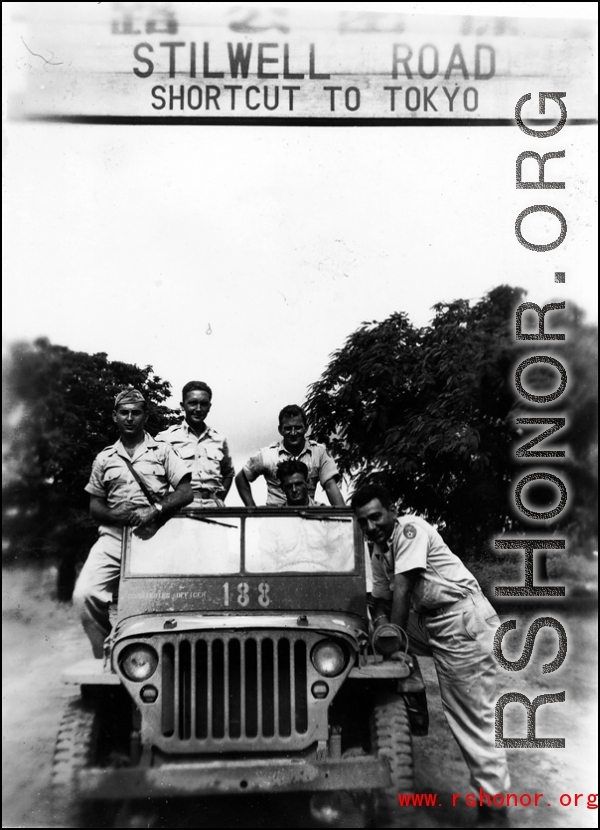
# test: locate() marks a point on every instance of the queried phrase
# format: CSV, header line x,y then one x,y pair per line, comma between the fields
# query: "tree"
x,y
57,416
430,412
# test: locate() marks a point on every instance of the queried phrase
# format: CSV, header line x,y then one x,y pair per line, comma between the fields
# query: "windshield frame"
x,y
221,516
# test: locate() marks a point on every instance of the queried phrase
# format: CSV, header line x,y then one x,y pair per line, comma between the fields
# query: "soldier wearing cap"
x,y
322,468
201,446
117,500
421,586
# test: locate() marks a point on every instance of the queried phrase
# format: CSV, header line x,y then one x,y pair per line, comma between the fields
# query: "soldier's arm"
x,y
244,489
404,584
333,493
329,476
382,611
227,482
180,496
101,512
382,596
227,472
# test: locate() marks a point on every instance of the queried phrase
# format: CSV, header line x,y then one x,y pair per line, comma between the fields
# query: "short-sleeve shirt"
x,y
416,545
321,468
155,462
207,455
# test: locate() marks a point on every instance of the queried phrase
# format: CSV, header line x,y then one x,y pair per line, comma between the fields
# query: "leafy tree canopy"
x,y
430,412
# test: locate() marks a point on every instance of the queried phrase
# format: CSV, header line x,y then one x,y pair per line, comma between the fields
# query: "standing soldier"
x,y
294,445
424,588
117,500
205,451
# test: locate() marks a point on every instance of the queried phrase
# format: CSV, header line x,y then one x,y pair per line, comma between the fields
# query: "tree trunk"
x,y
65,579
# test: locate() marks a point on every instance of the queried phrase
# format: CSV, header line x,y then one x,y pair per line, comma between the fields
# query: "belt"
x,y
204,494
453,606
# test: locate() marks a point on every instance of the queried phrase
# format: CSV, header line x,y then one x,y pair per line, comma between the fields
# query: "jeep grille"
x,y
235,691
224,688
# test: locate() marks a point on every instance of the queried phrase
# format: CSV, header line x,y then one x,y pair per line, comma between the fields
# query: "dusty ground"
x,y
40,637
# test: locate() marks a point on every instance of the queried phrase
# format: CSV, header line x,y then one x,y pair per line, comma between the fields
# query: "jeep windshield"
x,y
228,542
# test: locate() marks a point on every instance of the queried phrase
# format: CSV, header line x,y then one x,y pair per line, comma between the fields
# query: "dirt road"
x,y
41,637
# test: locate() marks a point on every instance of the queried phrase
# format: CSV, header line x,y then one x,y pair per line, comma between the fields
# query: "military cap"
x,y
130,395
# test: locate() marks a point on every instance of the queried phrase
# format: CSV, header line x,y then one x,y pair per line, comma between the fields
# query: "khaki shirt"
x,y
321,468
207,456
157,464
415,544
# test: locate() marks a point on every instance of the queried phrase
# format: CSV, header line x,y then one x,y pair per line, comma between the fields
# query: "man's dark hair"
x,y
194,385
289,468
293,411
369,492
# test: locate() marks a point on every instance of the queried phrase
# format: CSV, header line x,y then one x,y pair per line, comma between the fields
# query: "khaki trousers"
x,y
460,640
95,587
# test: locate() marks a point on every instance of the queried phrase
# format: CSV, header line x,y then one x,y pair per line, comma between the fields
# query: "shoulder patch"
x,y
410,531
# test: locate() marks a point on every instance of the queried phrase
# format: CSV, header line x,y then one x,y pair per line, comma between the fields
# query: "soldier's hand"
x,y
402,657
142,516
146,531
123,512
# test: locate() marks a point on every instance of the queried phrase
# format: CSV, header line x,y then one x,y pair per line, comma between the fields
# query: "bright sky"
x,y
244,256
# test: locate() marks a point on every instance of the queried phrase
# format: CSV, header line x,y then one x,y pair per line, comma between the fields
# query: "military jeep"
x,y
241,661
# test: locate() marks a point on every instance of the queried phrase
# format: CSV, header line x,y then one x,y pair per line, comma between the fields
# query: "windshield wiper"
x,y
313,518
209,521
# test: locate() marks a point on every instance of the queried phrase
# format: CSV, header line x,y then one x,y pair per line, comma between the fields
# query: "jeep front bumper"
x,y
232,776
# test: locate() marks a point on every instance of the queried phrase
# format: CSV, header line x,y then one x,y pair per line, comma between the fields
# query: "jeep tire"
x,y
76,749
391,741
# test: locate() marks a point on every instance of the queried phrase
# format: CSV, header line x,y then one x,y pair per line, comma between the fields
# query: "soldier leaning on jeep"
x,y
424,588
117,500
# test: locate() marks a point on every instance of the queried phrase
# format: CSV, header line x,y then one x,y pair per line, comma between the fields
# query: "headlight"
x,y
138,662
328,658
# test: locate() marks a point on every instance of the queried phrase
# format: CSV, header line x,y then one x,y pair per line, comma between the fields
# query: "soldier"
x,y
205,451
293,478
118,500
294,543
321,466
451,620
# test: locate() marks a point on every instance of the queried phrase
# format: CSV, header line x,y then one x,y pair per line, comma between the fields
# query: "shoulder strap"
x,y
152,498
